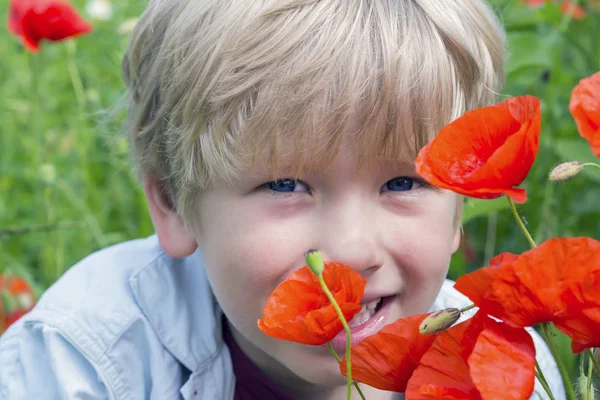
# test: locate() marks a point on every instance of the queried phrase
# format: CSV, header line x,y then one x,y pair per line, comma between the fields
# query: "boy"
x,y
262,129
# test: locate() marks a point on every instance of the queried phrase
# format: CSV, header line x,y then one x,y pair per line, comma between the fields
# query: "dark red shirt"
x,y
250,382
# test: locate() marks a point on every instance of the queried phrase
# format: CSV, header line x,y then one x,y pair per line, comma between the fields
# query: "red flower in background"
x,y
477,359
556,282
486,152
576,11
34,20
298,310
16,299
585,108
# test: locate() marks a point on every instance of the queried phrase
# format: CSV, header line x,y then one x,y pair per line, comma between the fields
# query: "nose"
x,y
349,235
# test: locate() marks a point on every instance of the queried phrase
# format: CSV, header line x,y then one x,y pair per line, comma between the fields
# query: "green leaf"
x,y
529,50
478,208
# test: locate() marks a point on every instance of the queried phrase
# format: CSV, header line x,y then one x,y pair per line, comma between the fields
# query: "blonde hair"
x,y
215,85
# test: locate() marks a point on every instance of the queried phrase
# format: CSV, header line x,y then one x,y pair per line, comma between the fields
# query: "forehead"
x,y
353,152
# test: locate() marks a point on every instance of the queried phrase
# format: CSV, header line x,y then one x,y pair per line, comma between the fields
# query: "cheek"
x,y
247,254
422,247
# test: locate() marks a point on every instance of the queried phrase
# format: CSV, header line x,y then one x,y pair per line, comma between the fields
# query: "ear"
x,y
172,235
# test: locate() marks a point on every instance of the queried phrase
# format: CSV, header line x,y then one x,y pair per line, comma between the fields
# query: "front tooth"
x,y
373,304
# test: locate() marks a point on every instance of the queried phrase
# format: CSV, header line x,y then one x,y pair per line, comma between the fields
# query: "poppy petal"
x,y
387,359
575,10
582,314
20,296
585,109
502,364
486,152
503,258
526,290
443,371
298,310
476,359
52,20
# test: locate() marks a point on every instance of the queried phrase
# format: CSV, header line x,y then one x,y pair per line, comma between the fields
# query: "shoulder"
x,y
94,297
102,278
88,333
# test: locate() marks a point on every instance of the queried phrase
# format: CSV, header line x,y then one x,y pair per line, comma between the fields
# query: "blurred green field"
x,y
64,158
68,188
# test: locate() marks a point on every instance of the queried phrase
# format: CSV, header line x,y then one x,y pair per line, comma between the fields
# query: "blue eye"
x,y
401,184
287,185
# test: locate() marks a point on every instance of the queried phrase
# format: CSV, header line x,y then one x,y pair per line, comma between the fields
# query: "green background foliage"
x,y
68,188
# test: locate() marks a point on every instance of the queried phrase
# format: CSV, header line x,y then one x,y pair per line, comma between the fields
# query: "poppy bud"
x,y
314,259
597,354
439,321
565,171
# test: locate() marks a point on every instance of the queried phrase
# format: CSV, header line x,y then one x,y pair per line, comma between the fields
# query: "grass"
x,y
64,160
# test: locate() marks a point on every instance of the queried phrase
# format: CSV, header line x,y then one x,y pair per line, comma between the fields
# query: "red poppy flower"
x,y
486,152
34,20
565,6
15,301
476,359
298,310
550,283
387,359
577,12
585,108
582,305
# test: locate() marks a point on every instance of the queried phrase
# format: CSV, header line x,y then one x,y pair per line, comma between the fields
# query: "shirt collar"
x,y
176,298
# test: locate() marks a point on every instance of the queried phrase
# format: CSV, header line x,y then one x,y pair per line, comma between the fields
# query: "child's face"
x,y
383,222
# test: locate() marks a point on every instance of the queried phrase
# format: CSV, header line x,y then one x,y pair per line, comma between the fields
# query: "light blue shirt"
x,y
130,322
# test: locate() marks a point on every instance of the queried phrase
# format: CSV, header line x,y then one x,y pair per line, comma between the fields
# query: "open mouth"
x,y
369,320
368,311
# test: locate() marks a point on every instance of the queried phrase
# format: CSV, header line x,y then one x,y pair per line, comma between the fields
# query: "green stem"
x,y
540,375
338,310
337,358
520,222
590,164
593,360
467,308
333,353
74,74
37,108
568,16
81,205
561,367
589,380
